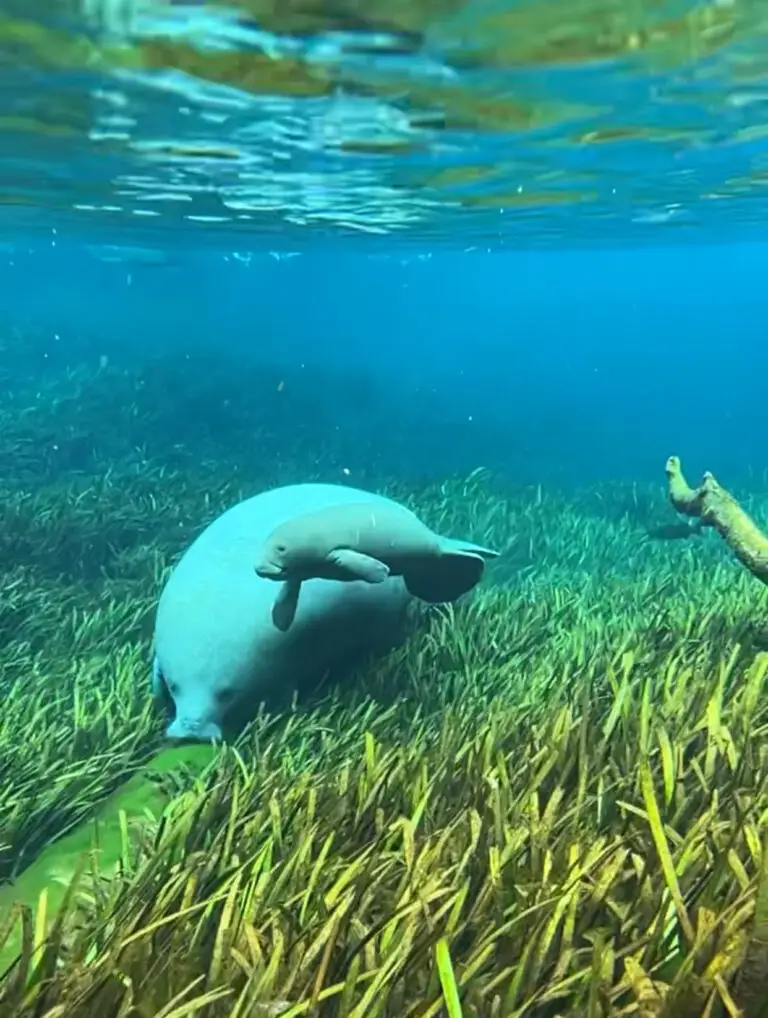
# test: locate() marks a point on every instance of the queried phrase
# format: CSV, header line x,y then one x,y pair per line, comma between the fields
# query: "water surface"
x,y
479,123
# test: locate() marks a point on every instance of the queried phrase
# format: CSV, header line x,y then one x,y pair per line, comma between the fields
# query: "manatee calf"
x,y
367,541
217,651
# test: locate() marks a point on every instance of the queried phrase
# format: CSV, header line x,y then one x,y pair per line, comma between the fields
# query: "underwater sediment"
x,y
549,802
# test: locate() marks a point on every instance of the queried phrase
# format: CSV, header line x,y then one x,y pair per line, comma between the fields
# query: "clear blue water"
x,y
555,367
478,124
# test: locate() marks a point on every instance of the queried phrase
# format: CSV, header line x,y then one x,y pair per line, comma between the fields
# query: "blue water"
x,y
558,367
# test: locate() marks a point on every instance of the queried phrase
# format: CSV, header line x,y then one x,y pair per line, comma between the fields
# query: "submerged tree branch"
x,y
717,508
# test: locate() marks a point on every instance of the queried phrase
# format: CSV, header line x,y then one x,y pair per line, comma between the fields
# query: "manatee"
x,y
366,541
218,653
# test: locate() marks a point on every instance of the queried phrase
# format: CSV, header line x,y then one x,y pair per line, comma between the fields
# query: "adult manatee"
x,y
217,650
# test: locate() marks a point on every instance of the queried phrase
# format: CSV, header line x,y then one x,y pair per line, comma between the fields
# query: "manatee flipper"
x,y
443,579
285,605
450,545
357,566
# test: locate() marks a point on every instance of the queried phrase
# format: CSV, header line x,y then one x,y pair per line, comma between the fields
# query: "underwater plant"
x,y
549,803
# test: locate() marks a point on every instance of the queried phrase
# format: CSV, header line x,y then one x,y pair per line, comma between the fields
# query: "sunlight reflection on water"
x,y
500,122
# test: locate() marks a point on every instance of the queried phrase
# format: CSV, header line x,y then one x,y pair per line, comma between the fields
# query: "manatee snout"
x,y
198,729
271,563
198,710
269,570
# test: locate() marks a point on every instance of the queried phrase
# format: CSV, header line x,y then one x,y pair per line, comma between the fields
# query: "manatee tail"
x,y
446,578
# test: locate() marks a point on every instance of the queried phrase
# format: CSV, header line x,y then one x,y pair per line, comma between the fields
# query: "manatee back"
x,y
384,530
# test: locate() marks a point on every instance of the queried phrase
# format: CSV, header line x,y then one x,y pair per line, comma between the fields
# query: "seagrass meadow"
x,y
551,801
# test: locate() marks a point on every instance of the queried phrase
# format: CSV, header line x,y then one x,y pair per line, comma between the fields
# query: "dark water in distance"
x,y
557,367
